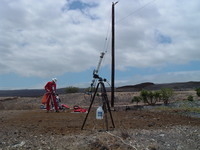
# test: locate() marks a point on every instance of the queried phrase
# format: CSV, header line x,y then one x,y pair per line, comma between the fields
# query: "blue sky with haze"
x,y
156,41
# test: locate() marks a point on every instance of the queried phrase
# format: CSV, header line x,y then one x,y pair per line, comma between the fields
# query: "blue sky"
x,y
156,41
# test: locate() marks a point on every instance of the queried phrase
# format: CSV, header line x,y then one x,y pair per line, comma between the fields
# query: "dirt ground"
x,y
134,129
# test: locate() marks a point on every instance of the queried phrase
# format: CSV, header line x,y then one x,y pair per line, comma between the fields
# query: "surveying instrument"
x,y
104,98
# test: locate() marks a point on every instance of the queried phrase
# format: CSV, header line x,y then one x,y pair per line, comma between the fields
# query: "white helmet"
x,y
54,80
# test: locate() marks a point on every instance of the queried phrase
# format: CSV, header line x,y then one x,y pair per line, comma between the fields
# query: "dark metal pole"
x,y
113,56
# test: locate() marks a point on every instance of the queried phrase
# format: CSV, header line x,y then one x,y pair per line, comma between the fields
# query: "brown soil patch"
x,y
40,122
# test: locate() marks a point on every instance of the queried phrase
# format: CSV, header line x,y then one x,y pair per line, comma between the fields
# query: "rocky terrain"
x,y
25,126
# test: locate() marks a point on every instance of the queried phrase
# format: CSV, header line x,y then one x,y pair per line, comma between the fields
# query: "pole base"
x,y
112,109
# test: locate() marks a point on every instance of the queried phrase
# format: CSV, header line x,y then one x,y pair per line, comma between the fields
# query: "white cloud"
x,y
139,46
41,38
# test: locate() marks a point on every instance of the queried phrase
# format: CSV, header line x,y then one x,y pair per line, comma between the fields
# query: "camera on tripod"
x,y
96,76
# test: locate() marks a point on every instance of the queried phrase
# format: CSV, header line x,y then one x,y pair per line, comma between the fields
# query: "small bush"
x,y
150,97
166,94
72,89
198,92
144,96
136,99
190,98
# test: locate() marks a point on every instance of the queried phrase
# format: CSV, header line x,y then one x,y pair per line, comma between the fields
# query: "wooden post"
x,y
113,56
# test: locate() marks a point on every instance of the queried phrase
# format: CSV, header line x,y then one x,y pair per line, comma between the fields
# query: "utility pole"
x,y
113,55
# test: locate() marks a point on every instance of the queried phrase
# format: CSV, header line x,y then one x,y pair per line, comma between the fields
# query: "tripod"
x,y
105,102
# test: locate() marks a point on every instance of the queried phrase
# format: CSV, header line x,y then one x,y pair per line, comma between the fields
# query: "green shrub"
x,y
144,96
136,99
157,95
198,92
72,89
166,94
190,98
150,97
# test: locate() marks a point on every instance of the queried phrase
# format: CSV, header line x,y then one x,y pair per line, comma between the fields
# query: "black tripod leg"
x,y
90,106
110,114
108,106
105,111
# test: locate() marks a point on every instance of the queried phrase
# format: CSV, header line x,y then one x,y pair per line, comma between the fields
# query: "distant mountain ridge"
x,y
137,87
152,86
26,92
128,88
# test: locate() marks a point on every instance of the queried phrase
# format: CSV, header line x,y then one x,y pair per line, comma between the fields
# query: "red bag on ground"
x,y
65,106
44,98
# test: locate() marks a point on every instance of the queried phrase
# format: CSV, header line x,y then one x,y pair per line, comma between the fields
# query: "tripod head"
x,y
96,76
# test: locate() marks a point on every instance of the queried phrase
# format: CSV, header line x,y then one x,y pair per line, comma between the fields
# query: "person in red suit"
x,y
50,89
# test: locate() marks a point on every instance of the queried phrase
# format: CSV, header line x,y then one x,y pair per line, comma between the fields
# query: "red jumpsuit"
x,y
50,88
